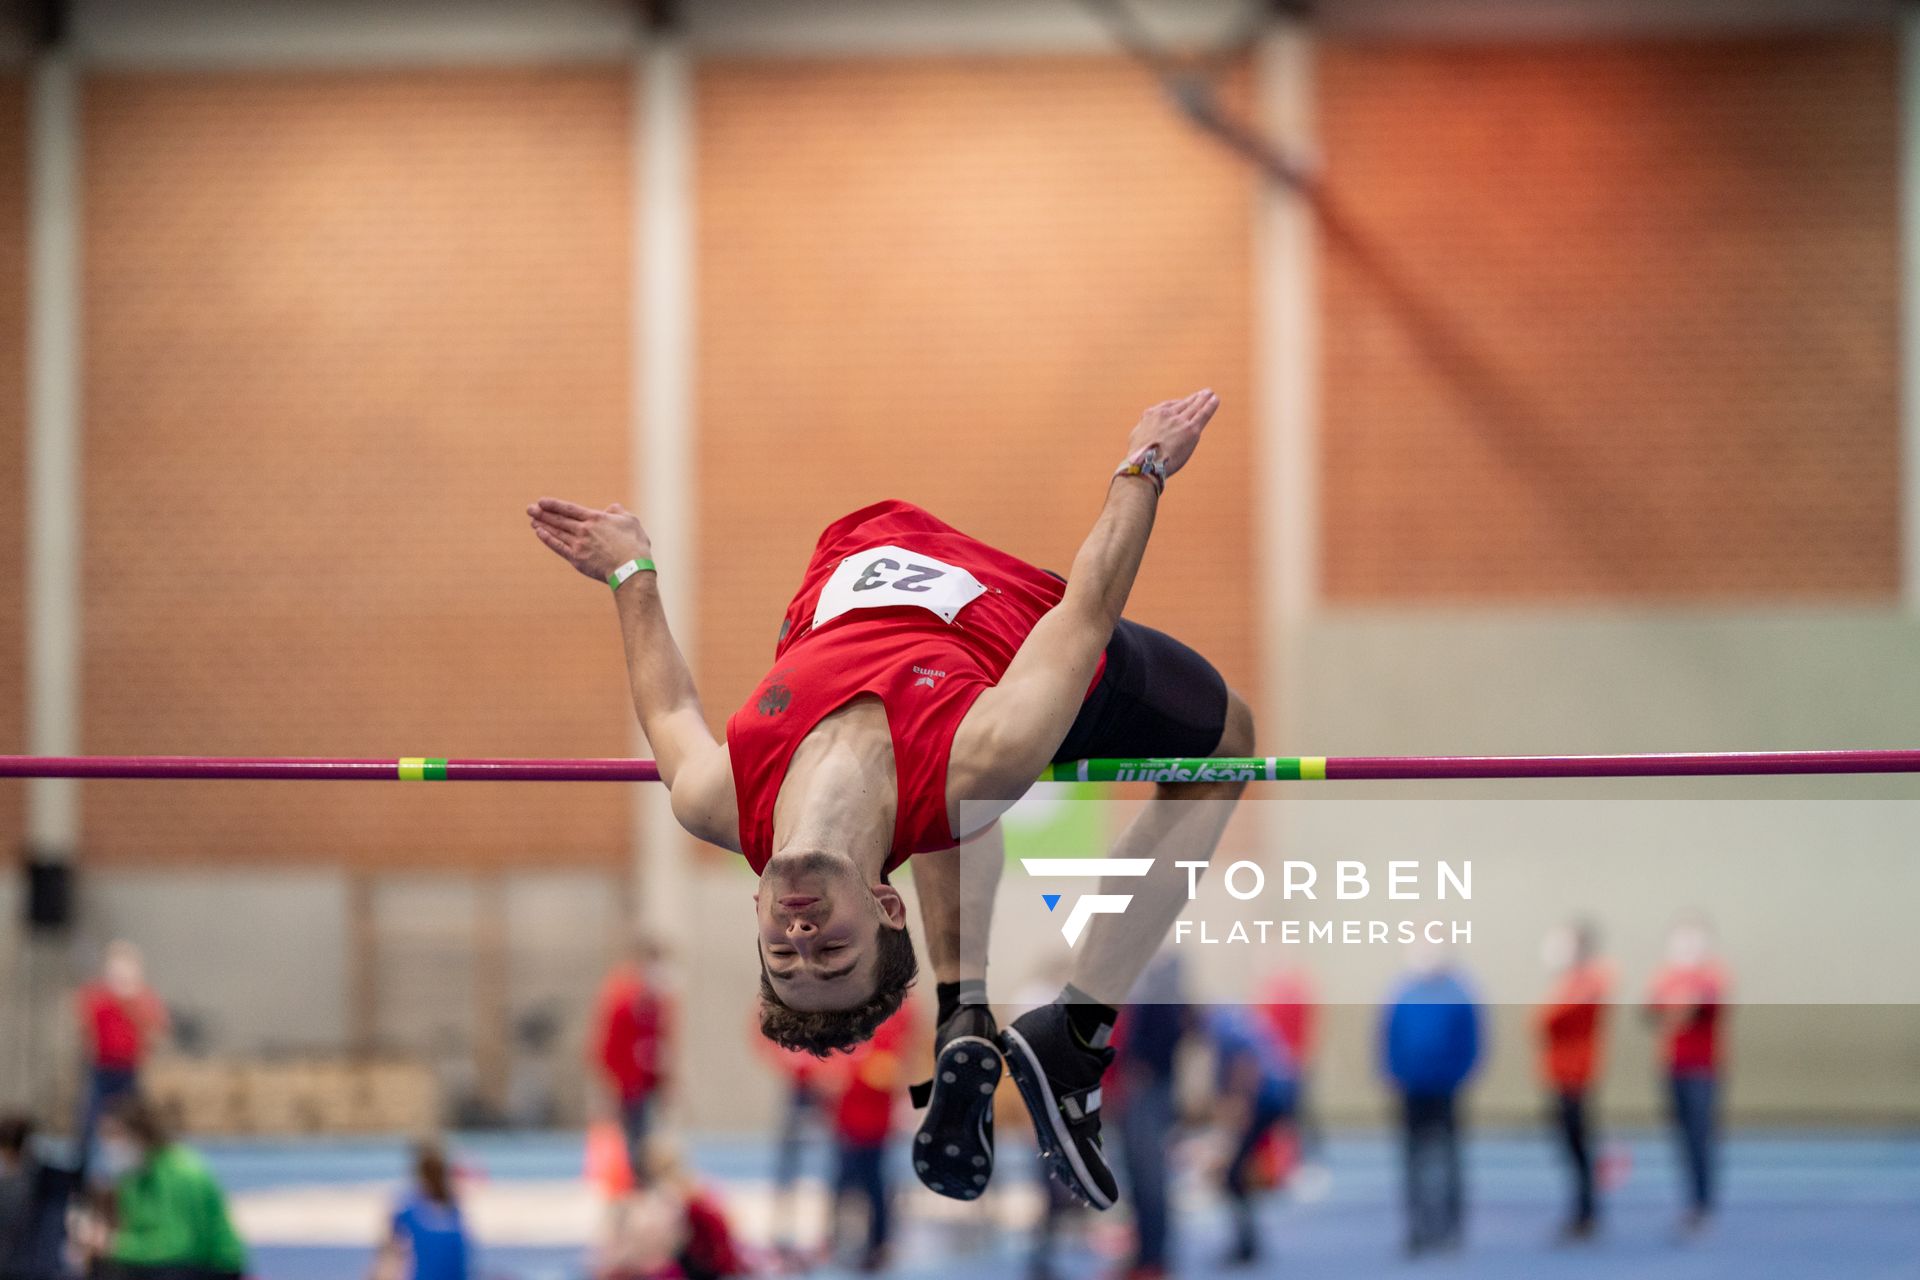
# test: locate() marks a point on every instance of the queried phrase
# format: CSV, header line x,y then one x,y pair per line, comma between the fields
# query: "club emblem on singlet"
x,y
776,697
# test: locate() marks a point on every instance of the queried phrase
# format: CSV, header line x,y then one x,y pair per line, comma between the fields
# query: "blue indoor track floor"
x,y
1795,1205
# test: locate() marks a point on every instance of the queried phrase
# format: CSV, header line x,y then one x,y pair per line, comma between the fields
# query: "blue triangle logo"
x,y
1051,899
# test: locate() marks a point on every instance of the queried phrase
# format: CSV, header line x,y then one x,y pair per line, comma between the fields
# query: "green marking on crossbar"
x,y
1191,769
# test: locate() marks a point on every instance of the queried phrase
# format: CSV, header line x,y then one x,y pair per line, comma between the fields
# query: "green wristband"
x,y
627,570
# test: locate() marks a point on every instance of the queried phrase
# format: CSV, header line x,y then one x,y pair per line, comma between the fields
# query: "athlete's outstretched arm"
x,y
1016,726
596,543
956,889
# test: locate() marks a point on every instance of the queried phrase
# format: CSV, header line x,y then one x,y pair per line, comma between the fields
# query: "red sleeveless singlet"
x,y
925,672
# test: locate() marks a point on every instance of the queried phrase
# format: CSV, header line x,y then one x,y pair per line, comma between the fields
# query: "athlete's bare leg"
x,y
1182,822
1059,1053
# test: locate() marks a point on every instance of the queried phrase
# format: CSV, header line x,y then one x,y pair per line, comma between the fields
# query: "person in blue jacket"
x,y
1430,1044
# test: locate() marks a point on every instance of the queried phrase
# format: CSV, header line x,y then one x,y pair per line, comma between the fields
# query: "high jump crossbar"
x,y
1160,769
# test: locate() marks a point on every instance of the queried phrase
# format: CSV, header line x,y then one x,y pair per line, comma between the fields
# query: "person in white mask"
x,y
1687,1004
1570,1024
120,1021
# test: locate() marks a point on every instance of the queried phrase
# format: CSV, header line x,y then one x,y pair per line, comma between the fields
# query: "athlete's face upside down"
x,y
834,956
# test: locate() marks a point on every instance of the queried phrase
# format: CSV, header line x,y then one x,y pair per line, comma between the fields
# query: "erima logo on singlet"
x,y
1093,904
926,676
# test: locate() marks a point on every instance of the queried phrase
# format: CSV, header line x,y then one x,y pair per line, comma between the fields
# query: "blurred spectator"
x,y
1570,1025
169,1217
644,1235
1142,1101
1430,1041
633,1044
1254,1081
34,1192
120,1021
804,1077
862,1122
1288,1001
669,1228
427,1239
1057,1206
1687,1003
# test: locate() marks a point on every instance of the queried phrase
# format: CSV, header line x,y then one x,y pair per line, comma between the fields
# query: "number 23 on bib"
x,y
888,577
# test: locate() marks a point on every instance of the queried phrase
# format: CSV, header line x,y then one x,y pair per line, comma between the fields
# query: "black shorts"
x,y
1157,697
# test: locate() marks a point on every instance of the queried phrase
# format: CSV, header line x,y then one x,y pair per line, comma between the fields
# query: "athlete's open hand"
x,y
1173,427
594,542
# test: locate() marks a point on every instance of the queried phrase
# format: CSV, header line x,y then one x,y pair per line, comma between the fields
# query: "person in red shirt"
x,y
672,1227
1291,1008
120,1021
922,679
1687,1003
709,1252
870,1079
1288,1004
635,1022
1569,1026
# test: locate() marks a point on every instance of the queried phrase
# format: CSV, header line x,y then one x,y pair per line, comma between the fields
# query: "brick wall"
x,y
339,329
1600,322
1612,321
13,408
958,282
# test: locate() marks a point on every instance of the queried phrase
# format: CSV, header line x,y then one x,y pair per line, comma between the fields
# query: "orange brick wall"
x,y
958,282
1613,322
13,408
339,329
1599,322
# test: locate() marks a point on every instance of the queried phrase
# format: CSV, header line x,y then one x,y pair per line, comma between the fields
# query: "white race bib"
x,y
887,577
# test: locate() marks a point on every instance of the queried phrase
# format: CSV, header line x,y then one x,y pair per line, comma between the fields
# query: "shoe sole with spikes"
x,y
953,1150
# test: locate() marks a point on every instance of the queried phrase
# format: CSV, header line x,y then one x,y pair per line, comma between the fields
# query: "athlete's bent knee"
x,y
1236,738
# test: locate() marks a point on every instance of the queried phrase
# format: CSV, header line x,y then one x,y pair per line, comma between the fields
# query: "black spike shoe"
x,y
1059,1080
953,1150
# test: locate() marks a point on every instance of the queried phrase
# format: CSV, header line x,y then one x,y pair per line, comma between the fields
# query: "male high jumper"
x,y
919,670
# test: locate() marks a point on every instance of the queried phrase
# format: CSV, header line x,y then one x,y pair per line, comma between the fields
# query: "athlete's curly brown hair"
x,y
824,1032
